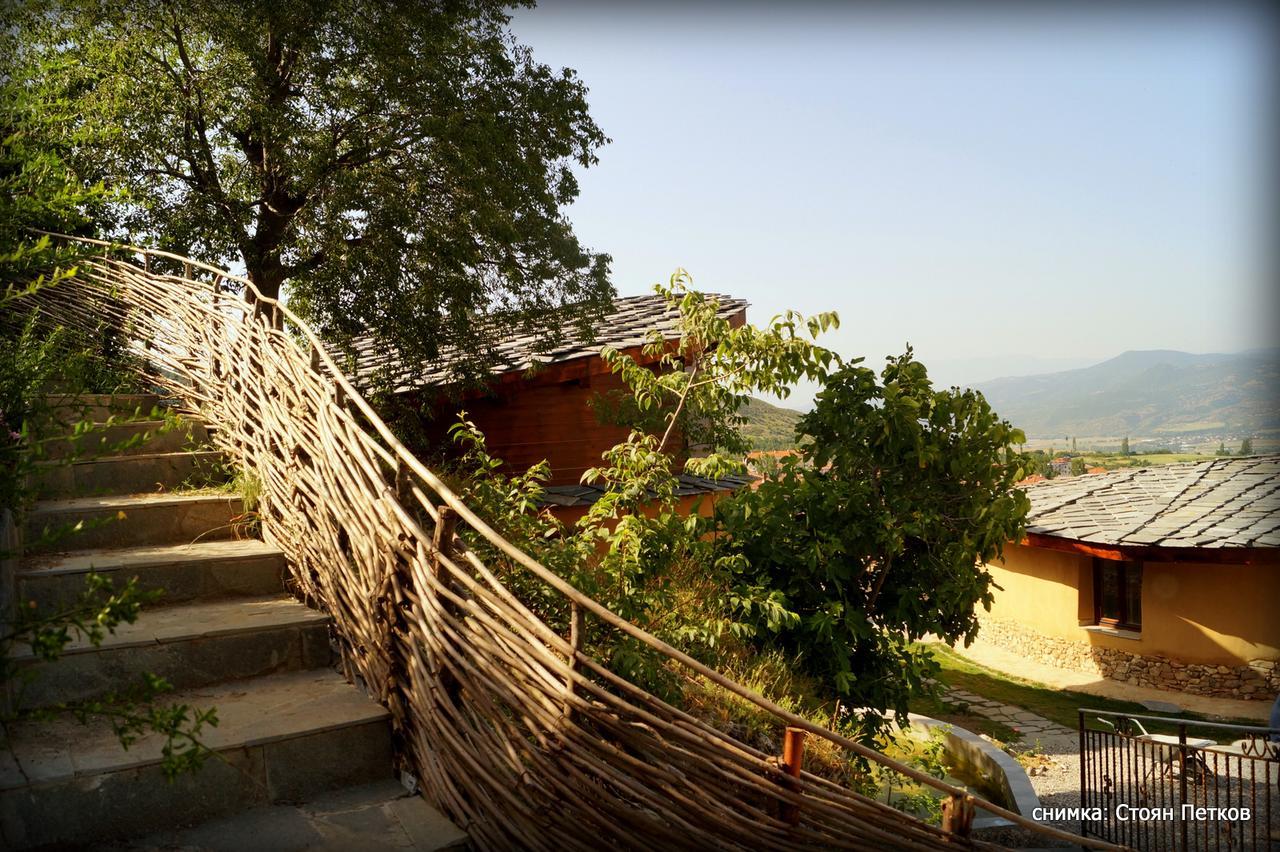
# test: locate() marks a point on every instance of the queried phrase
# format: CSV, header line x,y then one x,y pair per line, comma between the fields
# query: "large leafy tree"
x,y
402,167
875,535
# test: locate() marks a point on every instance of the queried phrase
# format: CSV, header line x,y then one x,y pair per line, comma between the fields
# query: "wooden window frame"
x,y
1125,567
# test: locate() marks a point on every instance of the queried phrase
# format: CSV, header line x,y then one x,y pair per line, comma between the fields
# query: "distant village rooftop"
x,y
625,326
1219,504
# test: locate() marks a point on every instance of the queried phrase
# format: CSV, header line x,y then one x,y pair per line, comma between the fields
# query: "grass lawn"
x,y
1115,462
1058,705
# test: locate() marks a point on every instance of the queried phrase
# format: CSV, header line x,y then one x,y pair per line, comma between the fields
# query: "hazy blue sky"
x,y
1008,194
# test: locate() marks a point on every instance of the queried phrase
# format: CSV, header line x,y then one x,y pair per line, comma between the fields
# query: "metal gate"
x,y
1158,783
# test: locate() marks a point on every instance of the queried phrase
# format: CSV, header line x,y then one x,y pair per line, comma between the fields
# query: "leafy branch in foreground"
x,y
131,713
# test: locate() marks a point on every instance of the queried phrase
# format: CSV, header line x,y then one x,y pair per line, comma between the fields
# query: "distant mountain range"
x,y
1159,392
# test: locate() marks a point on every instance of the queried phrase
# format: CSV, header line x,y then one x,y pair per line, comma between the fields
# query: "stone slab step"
x,y
377,816
100,407
129,474
205,570
129,521
131,438
281,738
190,646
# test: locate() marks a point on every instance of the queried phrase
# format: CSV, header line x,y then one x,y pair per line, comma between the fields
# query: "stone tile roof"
x,y
1228,502
625,325
585,495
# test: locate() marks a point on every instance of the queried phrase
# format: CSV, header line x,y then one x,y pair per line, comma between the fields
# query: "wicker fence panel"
x,y
522,739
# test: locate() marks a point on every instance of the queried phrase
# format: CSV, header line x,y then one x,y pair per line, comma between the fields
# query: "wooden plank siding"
x,y
547,414
555,422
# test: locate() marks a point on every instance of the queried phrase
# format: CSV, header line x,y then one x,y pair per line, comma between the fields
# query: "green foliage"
x,y
1222,449
706,376
402,167
132,712
873,536
1246,447
1078,467
634,551
38,134
868,540
1124,446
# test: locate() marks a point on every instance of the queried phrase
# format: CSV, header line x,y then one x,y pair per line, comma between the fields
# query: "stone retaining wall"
x,y
1260,679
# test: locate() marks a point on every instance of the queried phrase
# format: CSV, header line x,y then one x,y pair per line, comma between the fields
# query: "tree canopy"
x,y
403,168
876,533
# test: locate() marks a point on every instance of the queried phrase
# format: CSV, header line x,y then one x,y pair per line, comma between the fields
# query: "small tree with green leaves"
x,y
876,535
870,539
1222,449
1124,446
1246,447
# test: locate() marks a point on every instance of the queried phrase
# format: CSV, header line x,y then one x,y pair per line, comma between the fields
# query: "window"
x,y
1117,593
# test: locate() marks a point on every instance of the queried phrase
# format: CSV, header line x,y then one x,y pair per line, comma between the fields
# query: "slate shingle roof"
x,y
1229,502
624,326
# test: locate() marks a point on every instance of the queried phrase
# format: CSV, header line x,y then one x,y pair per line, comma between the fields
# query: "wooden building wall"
x,y
526,424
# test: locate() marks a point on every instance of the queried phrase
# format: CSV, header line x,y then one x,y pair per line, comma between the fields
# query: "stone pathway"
x,y
1032,726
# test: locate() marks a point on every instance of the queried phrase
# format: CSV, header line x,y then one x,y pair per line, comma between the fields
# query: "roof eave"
x,y
1227,555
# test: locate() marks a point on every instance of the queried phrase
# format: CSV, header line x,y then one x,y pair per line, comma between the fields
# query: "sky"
x,y
1010,193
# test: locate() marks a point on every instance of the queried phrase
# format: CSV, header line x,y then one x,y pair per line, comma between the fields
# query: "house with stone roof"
x,y
538,400
1165,577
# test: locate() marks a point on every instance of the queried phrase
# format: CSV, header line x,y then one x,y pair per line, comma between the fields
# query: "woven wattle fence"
x,y
515,732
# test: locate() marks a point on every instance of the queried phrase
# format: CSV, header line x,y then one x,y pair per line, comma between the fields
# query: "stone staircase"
x,y
303,759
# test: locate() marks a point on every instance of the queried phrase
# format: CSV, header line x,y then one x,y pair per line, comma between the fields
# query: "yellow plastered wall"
x,y
1219,614
1195,613
1041,590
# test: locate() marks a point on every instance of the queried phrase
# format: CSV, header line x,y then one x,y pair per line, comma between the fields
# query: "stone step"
x,y
280,738
129,521
131,438
190,646
128,474
205,570
99,407
381,815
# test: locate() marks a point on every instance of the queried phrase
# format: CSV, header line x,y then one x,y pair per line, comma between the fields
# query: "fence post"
x,y
1182,779
957,815
442,537
792,758
442,544
1084,756
576,631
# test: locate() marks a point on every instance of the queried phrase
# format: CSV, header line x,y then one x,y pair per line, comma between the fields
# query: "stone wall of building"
x,y
1260,679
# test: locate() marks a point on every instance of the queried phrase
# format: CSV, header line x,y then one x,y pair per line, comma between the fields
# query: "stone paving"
x,y
1032,726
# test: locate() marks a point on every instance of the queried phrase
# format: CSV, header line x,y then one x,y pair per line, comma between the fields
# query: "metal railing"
x,y
1161,783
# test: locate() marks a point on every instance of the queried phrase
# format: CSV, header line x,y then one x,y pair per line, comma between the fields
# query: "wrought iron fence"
x,y
1161,783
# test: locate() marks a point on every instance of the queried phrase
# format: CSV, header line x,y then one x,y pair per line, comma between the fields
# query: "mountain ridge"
x,y
1153,391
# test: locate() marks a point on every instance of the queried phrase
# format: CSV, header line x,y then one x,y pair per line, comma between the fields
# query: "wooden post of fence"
x,y
442,548
403,483
792,759
576,631
442,537
957,814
